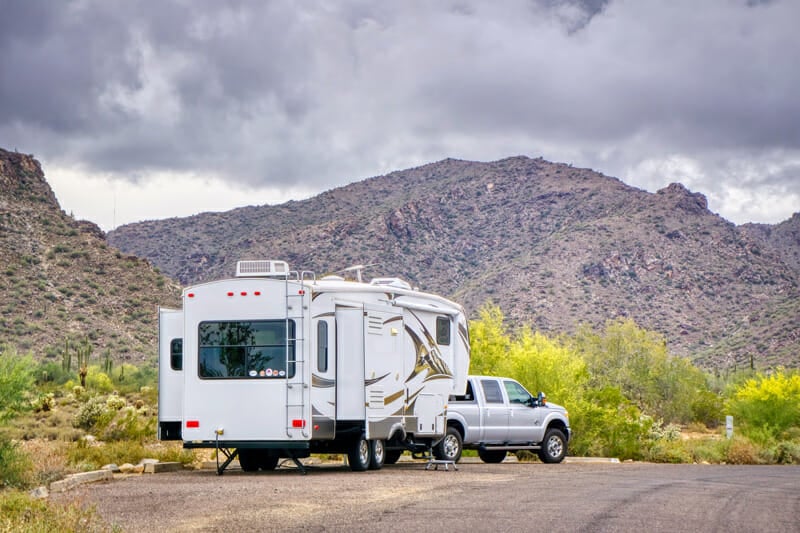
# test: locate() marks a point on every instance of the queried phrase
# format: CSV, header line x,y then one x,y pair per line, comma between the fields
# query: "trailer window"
x,y
443,331
260,349
322,346
491,390
176,354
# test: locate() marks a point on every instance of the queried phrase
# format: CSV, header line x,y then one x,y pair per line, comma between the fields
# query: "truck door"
x,y
524,421
494,412
323,378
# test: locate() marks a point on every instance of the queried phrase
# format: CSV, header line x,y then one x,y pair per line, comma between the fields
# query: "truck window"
x,y
443,330
468,396
491,391
260,349
322,346
176,354
516,392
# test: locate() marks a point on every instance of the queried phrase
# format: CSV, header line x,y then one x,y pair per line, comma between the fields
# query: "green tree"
x,y
768,405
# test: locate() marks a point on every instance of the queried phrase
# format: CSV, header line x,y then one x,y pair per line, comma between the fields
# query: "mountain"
x,y
554,246
60,280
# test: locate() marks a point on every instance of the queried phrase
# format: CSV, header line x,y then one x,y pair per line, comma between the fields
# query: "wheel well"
x,y
558,424
456,424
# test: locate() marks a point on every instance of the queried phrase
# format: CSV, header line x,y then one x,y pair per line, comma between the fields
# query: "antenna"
x,y
357,269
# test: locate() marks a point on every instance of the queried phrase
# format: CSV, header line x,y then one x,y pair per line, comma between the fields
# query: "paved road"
x,y
405,497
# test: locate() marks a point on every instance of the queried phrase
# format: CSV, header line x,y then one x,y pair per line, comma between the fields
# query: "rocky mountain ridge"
x,y
60,281
554,246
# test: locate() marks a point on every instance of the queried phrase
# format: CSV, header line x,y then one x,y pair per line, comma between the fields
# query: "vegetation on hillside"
x,y
629,398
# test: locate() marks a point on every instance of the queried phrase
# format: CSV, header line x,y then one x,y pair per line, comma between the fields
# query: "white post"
x,y
729,426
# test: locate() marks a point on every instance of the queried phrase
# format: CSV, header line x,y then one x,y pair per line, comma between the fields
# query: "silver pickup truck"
x,y
496,416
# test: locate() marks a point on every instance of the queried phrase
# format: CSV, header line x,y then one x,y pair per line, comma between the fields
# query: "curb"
x,y
105,474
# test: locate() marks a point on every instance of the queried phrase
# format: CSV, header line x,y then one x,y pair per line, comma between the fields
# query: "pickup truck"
x,y
497,415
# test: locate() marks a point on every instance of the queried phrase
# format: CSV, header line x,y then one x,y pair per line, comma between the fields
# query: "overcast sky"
x,y
153,109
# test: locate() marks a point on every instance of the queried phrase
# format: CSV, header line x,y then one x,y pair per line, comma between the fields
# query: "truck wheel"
x,y
492,456
392,456
358,456
449,448
248,460
377,454
554,446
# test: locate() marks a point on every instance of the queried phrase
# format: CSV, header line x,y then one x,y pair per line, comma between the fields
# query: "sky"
x,y
163,108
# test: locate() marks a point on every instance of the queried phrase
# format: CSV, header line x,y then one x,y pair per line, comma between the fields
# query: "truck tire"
x,y
377,454
554,446
392,456
359,454
492,456
450,447
249,460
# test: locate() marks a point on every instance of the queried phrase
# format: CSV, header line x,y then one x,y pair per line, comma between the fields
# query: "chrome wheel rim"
x,y
554,447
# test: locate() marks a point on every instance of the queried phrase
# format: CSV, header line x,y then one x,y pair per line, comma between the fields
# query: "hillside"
x,y
59,279
553,245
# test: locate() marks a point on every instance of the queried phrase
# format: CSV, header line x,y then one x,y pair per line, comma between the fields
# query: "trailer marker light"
x,y
301,292
257,293
192,423
316,427
244,293
230,294
298,423
190,295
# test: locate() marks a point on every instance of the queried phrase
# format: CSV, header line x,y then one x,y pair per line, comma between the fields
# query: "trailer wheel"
x,y
377,453
249,460
359,454
268,461
449,448
392,456
554,446
492,456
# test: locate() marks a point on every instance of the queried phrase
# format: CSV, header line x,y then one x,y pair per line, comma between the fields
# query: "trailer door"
x,y
350,397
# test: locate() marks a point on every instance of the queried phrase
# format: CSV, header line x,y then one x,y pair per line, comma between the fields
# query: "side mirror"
x,y
541,399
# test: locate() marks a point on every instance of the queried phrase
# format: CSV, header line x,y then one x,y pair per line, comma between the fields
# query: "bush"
x,y
23,513
16,380
767,406
92,413
15,465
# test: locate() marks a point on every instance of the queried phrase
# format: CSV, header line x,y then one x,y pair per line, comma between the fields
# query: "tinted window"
x,y
257,349
442,331
176,354
322,346
491,390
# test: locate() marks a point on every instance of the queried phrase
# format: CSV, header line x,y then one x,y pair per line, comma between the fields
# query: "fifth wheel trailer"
x,y
277,364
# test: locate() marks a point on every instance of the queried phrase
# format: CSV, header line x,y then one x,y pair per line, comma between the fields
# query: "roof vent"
x,y
397,283
261,268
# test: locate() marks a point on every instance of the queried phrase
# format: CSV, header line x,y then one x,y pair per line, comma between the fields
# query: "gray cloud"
x,y
313,93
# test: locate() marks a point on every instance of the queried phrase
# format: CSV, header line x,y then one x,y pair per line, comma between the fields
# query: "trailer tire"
x,y
492,456
359,454
249,460
450,447
392,456
377,454
554,446
268,461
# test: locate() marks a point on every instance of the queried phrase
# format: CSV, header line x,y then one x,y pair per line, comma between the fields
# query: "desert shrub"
x,y
16,379
668,451
129,424
45,402
22,513
94,412
115,402
741,451
98,381
707,408
15,465
767,406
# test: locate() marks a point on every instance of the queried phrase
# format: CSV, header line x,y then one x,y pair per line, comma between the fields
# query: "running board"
x,y
507,448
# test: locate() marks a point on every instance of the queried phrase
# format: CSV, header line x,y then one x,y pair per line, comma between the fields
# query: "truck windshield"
x,y
258,349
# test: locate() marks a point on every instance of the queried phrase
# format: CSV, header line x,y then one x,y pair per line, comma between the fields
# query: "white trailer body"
x,y
278,364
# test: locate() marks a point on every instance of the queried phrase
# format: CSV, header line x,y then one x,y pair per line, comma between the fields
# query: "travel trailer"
x,y
275,363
